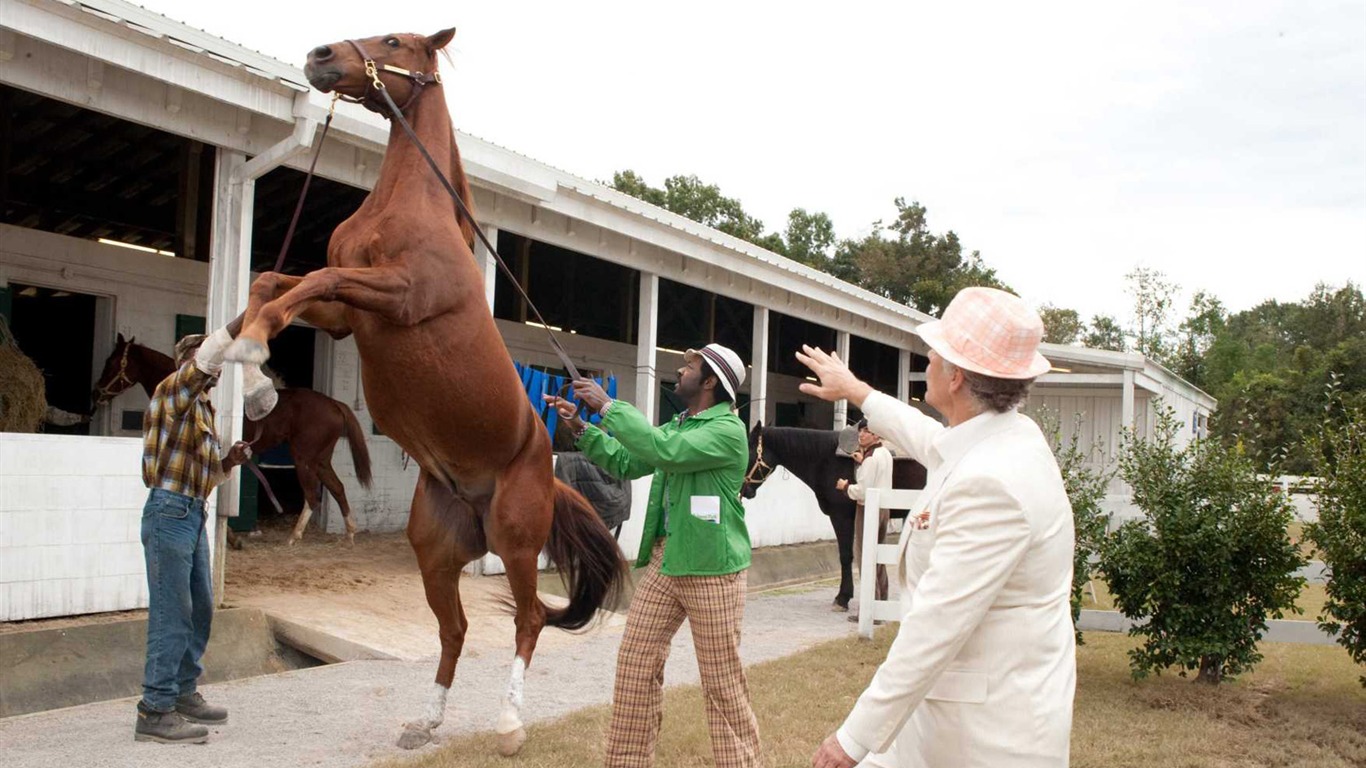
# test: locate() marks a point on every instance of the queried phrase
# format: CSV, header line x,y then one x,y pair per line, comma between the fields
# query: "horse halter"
x,y
372,71
759,464
106,392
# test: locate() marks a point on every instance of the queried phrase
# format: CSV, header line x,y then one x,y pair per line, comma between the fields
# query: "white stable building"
x,y
124,128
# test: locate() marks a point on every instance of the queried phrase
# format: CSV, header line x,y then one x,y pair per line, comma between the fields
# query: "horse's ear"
x,y
120,339
440,39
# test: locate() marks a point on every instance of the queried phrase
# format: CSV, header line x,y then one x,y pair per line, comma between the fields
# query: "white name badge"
x,y
707,508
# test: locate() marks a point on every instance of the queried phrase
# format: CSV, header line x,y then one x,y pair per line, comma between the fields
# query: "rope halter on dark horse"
x,y
759,464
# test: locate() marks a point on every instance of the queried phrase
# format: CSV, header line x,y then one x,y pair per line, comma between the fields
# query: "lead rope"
x,y
450,190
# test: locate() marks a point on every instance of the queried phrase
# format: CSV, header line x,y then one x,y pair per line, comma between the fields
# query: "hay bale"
x,y
23,394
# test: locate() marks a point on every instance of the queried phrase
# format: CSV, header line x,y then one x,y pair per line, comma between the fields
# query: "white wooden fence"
x,y
875,554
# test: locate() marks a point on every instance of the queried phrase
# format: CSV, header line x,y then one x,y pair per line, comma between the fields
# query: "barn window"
x,y
575,292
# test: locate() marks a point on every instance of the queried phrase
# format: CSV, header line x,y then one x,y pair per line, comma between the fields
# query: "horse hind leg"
x,y
308,481
338,490
518,527
445,535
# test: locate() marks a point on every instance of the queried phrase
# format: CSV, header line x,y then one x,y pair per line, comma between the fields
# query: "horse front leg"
x,y
385,291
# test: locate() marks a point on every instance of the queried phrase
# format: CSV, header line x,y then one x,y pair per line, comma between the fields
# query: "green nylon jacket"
x,y
698,466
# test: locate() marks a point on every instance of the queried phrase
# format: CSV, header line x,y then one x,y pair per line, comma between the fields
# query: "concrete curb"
x,y
320,645
53,668
770,568
1278,631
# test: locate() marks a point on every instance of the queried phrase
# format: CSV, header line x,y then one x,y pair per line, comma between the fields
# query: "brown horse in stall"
x,y
402,278
309,421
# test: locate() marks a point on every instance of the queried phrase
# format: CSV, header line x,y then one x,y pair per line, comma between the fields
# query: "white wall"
x,y
147,292
70,526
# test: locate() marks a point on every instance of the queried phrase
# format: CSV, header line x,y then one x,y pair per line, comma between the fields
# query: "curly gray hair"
x,y
999,395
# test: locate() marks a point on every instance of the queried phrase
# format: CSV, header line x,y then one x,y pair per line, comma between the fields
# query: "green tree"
x,y
1339,536
908,263
1086,486
689,196
1061,326
1196,337
1209,563
1104,333
809,238
1153,295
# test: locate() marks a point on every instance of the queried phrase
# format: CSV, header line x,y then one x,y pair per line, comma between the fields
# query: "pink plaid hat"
x,y
990,332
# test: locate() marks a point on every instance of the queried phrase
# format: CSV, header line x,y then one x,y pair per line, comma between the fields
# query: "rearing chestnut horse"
x,y
402,278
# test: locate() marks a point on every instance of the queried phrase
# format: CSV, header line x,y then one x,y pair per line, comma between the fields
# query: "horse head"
x,y
400,63
130,363
115,378
762,462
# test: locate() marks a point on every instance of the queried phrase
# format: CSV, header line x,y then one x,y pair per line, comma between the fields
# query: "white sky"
x,y
1222,143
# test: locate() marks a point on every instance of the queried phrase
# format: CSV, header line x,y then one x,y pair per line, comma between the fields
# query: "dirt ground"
x,y
318,564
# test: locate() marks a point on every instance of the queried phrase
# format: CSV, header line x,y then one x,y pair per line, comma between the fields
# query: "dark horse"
x,y
401,278
811,455
309,421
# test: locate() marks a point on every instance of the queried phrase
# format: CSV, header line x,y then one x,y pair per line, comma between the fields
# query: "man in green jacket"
x,y
695,548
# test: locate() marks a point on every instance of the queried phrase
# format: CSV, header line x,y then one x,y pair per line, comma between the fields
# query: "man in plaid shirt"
x,y
181,464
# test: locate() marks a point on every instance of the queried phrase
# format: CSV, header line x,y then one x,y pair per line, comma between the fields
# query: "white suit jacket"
x,y
874,472
983,669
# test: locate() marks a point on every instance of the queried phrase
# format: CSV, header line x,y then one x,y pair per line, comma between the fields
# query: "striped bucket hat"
x,y
728,366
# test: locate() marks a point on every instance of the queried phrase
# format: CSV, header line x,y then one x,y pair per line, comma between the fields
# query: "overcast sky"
x,y
1221,143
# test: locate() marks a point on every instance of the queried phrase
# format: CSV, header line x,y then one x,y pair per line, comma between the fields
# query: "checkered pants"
x,y
714,607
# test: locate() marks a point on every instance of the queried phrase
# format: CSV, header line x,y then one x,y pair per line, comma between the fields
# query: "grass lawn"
x,y
1302,706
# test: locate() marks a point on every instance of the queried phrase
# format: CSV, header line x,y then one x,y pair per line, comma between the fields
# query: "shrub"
x,y
1210,562
1339,456
1085,490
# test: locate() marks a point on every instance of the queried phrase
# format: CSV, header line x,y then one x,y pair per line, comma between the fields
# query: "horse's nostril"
x,y
322,53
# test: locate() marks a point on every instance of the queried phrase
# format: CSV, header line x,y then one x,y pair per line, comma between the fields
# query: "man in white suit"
x,y
983,670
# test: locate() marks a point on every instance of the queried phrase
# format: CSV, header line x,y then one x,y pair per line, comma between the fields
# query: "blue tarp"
x,y
538,383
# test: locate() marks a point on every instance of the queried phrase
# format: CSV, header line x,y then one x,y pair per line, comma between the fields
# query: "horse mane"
x,y
802,445
462,187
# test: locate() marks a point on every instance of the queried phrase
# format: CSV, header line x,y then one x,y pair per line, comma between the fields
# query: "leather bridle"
x,y
370,99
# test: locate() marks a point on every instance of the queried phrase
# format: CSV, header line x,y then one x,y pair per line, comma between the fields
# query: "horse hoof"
x,y
511,743
246,350
414,737
292,541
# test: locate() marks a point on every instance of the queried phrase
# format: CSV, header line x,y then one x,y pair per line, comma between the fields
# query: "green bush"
x,y
1210,562
1085,490
1339,536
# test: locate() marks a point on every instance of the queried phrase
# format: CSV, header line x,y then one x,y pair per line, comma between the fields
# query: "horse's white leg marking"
x,y
299,526
258,391
511,734
436,705
417,733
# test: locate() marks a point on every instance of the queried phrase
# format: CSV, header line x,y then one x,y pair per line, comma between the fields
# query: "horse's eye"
x,y
392,42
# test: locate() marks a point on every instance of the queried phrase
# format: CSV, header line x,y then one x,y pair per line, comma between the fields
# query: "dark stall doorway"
x,y
56,329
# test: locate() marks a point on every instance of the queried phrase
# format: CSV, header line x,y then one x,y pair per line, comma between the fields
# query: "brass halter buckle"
x,y
373,73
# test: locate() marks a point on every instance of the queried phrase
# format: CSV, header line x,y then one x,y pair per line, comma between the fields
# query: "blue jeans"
x,y
180,597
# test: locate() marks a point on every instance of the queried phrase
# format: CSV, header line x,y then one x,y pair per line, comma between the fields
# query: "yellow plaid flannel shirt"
x,y
180,450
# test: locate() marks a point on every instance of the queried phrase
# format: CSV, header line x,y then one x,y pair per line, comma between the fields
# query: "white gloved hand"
x,y
258,391
209,357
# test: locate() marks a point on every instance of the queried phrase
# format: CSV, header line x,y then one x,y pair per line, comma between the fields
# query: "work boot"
x,y
194,709
167,728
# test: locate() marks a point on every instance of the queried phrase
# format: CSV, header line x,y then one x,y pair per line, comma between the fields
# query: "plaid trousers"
x,y
714,607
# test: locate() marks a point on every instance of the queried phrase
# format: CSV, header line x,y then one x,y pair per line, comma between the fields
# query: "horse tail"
x,y
355,437
587,557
